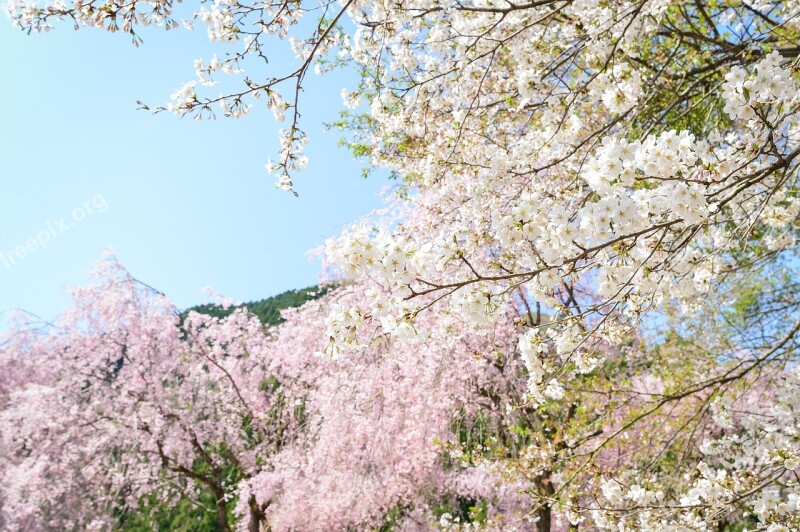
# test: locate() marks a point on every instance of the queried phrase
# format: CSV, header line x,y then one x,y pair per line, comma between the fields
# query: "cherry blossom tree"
x,y
119,400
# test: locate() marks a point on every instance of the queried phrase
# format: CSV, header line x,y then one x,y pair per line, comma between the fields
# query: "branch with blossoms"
x,y
227,22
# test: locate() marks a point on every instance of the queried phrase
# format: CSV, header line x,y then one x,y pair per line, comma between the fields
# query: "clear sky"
x,y
184,204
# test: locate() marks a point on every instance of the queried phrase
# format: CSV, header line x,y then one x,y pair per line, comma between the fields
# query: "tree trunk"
x,y
222,510
544,515
256,515
545,512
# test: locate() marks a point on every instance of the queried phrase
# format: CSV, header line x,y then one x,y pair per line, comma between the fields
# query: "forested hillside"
x,y
268,310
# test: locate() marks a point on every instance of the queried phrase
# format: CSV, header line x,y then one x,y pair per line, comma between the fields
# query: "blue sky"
x,y
183,204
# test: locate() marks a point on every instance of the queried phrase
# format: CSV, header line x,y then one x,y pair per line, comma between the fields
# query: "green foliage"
x,y
195,513
184,515
747,303
392,519
464,510
267,310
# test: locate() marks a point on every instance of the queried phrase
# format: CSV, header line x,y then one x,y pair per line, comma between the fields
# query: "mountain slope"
x,y
268,310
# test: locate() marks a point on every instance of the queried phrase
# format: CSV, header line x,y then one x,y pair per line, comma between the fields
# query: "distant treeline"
x,y
268,310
